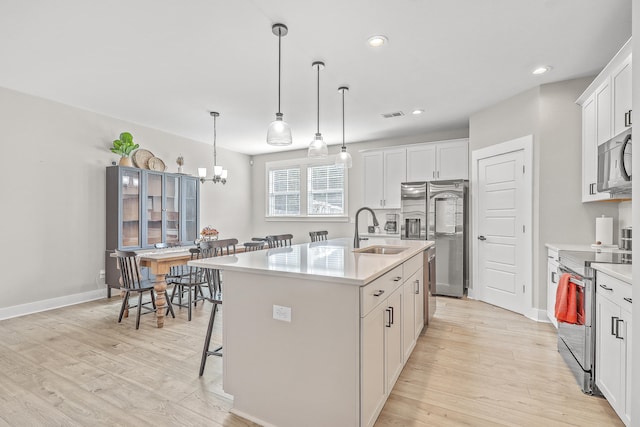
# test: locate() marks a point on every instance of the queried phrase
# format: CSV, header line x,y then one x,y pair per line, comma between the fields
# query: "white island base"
x,y
316,335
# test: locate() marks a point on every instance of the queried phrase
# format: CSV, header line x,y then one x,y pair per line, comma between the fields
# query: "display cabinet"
x,y
145,207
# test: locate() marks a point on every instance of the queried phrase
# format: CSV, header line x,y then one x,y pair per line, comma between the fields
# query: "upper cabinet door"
x,y
453,160
621,82
421,163
395,173
590,153
373,179
603,112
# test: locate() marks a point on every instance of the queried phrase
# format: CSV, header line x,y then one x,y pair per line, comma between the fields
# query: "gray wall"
x,y
300,229
52,183
550,114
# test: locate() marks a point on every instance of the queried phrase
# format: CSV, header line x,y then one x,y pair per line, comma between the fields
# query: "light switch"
x,y
282,313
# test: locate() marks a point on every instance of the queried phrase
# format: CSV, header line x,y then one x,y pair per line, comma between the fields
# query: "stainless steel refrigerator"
x,y
437,211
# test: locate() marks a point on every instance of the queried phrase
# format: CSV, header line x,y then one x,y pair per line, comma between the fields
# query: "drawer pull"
x,y
397,278
628,300
606,288
377,294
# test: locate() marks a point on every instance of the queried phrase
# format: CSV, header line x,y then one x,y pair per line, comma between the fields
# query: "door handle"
x,y
553,277
482,238
417,287
614,326
392,322
388,310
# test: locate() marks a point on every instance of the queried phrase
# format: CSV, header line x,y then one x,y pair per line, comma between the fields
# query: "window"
x,y
325,190
322,194
284,192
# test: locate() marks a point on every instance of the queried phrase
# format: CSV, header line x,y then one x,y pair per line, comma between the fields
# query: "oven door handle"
x,y
575,278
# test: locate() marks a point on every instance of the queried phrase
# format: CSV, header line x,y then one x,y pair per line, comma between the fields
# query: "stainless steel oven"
x,y
576,342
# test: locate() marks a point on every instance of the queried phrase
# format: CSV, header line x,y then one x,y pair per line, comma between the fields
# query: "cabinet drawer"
x,y
413,264
614,289
378,290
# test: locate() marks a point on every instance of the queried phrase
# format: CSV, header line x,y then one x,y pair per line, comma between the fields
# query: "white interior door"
x,y
502,200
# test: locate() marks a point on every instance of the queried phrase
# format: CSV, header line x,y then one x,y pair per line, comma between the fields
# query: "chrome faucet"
x,y
356,237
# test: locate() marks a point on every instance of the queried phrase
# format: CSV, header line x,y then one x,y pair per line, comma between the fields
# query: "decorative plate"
x,y
156,164
141,158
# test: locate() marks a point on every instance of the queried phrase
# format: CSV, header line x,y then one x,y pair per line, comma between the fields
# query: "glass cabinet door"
x,y
130,202
172,208
190,211
154,208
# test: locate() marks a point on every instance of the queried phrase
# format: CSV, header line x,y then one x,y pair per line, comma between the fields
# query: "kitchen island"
x,y
317,334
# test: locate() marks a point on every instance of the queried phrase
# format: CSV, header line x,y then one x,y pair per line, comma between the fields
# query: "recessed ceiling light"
x,y
377,41
541,70
417,112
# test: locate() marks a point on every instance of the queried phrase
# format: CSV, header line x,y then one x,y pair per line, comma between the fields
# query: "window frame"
x,y
304,164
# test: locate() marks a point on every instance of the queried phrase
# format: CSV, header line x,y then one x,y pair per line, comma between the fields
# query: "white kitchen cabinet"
x,y
393,328
412,311
438,161
613,343
606,111
384,171
621,84
372,379
552,285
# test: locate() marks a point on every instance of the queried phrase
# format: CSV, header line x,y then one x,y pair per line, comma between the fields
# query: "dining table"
x,y
159,262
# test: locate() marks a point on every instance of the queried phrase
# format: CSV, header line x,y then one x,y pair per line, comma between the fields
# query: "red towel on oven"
x,y
569,302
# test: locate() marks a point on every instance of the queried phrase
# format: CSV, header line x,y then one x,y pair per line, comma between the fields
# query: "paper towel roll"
x,y
604,230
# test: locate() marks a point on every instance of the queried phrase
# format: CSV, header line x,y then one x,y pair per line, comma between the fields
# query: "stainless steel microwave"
x,y
614,164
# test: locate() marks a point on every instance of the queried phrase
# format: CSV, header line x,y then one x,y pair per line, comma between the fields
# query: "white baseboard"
x,y
50,304
538,315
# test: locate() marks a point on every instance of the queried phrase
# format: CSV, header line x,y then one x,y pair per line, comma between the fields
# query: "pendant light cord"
x,y
279,63
215,162
318,104
343,118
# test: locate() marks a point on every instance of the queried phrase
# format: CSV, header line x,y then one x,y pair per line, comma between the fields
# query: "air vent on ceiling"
x,y
394,114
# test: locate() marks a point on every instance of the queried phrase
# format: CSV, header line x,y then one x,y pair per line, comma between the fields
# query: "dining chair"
x,y
279,240
220,248
317,236
194,280
131,283
253,246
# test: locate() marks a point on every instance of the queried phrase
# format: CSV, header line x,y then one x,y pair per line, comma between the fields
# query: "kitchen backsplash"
x,y
624,215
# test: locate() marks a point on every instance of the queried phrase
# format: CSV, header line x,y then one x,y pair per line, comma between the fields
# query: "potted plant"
x,y
124,146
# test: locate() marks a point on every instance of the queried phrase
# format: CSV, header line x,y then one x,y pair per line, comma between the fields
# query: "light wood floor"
x,y
476,365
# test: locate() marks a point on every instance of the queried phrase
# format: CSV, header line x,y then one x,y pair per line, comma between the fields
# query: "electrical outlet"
x,y
101,274
282,313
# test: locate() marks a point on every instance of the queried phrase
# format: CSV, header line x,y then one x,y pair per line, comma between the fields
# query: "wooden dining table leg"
x,y
160,288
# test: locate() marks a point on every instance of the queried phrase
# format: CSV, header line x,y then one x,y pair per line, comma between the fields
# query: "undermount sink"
x,y
381,250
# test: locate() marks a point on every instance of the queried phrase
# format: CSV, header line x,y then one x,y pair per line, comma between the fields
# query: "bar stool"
x,y
194,279
220,248
253,246
317,236
279,240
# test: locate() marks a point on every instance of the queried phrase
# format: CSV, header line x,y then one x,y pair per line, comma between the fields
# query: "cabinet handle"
x,y
592,187
628,300
388,310
377,294
606,288
626,119
614,326
630,117
417,282
397,278
618,329
433,174
392,322
553,277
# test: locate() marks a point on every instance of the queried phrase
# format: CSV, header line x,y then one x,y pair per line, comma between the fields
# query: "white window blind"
x,y
325,190
284,191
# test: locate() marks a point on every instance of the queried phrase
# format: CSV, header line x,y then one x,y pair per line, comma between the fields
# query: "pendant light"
x,y
279,132
219,174
343,158
318,148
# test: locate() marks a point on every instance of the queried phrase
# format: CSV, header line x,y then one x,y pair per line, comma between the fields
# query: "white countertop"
x,y
619,271
331,260
581,247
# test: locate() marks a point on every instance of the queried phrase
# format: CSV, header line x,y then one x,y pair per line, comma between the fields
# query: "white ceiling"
x,y
167,63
